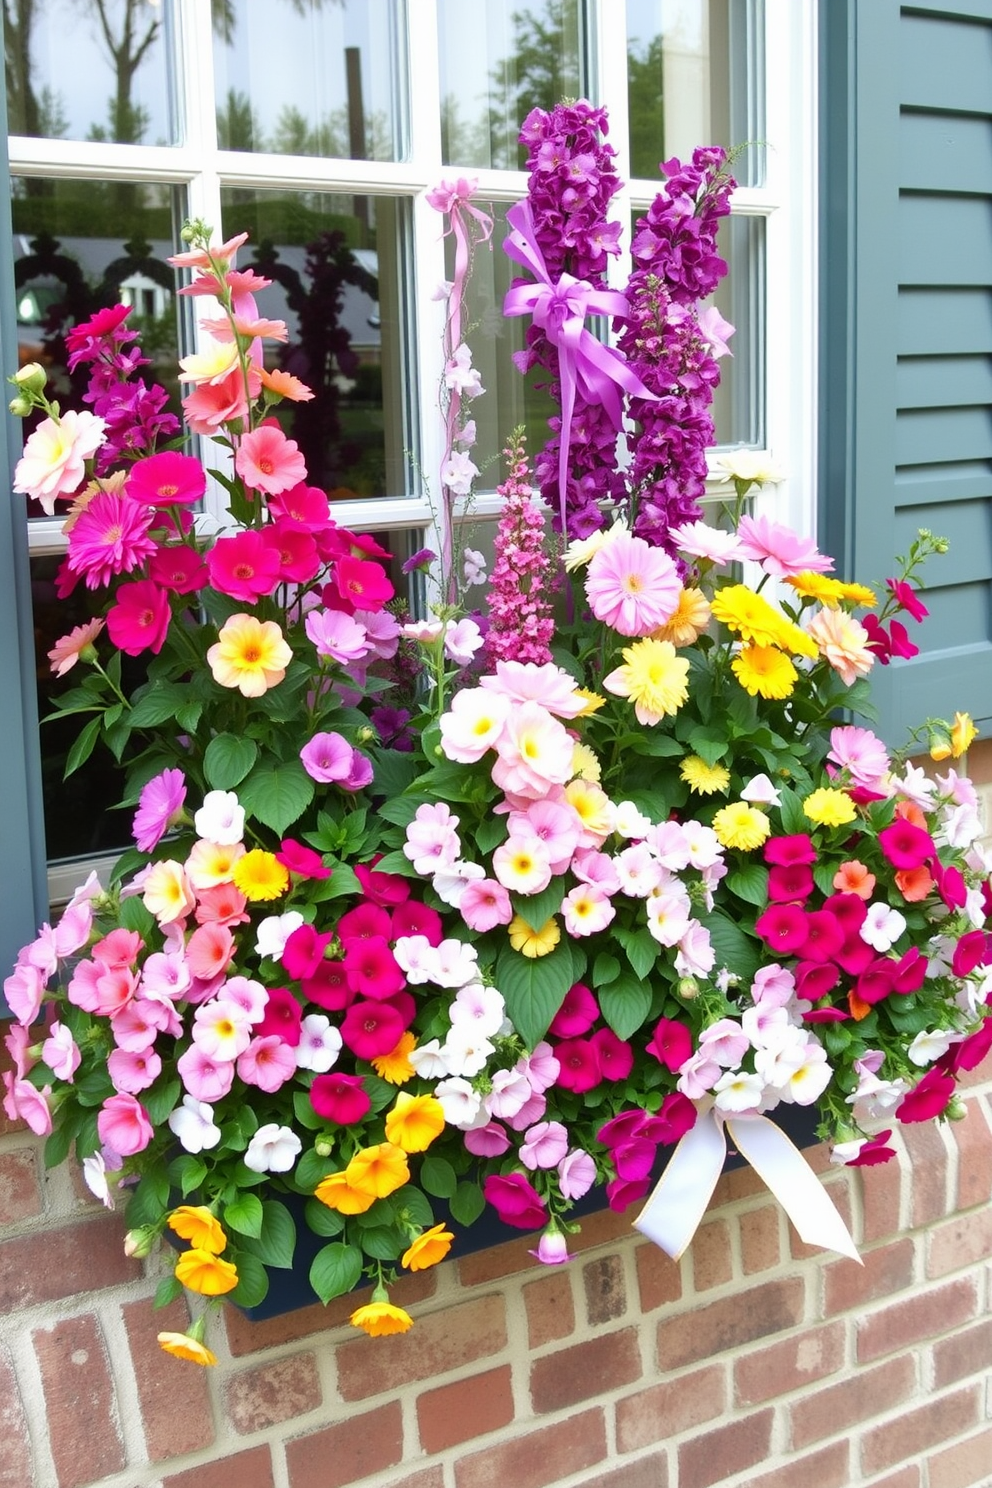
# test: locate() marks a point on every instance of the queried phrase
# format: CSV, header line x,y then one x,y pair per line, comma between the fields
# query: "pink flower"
x,y
370,1029
632,587
205,1078
139,621
22,1102
360,584
432,838
337,635
544,1145
515,1200
132,1071
267,461
159,808
328,758
491,1140
283,1016
222,1029
168,479
71,648
906,846
214,404
552,1248
586,910
861,753
485,904
782,927
576,1174
110,537
927,1099
908,598
268,1062
303,861
778,549
671,1044
24,990
340,1098
245,566
676,1116
210,950
53,462
578,1012
373,972
579,1061
60,1053
123,1125
843,642
178,569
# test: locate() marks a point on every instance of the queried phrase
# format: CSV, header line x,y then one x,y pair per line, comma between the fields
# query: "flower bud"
x,y
940,745
30,378
687,988
955,1110
20,407
140,1242
366,735
324,1146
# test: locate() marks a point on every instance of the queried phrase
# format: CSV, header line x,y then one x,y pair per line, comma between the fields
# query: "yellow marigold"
x,y
337,1193
751,617
530,942
585,765
831,592
692,615
260,876
428,1248
378,1170
653,678
764,671
704,779
742,826
395,1066
414,1122
378,1319
830,807
185,1346
593,805
963,733
195,1223
205,1273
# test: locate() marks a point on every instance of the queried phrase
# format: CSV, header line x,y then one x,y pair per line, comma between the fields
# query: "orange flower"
x,y
909,811
395,1067
914,884
380,1170
428,1248
195,1223
286,385
206,1273
854,878
337,1193
859,1008
381,1318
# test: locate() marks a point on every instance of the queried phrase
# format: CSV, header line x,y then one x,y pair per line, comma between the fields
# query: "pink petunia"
x,y
579,1061
328,758
267,461
671,1044
160,807
178,569
132,1071
268,1062
515,1200
544,1145
123,1125
371,1029
205,1078
631,586
167,479
342,1099
139,621
485,904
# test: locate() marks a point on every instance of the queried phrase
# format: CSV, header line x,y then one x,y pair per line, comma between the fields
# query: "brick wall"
x,y
756,1361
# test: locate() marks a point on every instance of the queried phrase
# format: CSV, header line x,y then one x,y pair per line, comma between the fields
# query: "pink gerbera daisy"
x,y
778,549
631,586
168,479
110,537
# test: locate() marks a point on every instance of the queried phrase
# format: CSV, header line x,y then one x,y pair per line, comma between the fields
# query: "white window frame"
x,y
786,201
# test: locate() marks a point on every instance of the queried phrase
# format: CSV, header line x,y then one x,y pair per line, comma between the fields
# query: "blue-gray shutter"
x,y
23,896
906,316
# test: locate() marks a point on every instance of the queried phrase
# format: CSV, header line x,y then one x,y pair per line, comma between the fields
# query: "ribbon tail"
x,y
566,376
782,1167
678,1201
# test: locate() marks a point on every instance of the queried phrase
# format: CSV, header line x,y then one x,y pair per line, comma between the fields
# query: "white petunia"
x,y
882,927
273,1149
929,1045
193,1125
274,931
221,818
320,1044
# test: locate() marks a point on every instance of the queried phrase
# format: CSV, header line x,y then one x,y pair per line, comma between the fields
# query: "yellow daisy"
x,y
752,618
653,678
830,807
260,876
830,592
765,671
704,779
742,826
530,942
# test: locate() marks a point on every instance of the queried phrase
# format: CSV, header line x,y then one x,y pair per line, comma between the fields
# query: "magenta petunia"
x,y
789,882
303,861
815,979
676,1116
783,928
364,921
245,566
328,987
927,1099
615,1056
874,1151
178,568
413,918
620,1193
382,888
671,1044
579,1065
304,950
622,1128
342,1099
971,951
168,479
906,846
139,621
372,969
824,936
578,1012
515,1200
328,758
283,1017
371,1029
786,851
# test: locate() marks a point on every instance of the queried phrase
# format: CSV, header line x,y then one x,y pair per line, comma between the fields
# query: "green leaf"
x,y
83,746
304,1112
228,759
605,969
150,1199
661,746
467,1203
641,949
416,1209
394,771
336,1269
168,1289
253,1283
157,703
537,909
311,1168
625,1004
321,1220
187,1173
533,988
275,1245
400,811
161,1100
823,877
244,1215
438,1177
382,1243
397,862
711,744
58,1144
134,916
750,883
794,819
277,795
734,950
490,833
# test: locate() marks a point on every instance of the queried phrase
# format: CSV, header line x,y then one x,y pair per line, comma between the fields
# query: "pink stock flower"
x,y
123,1125
632,587
168,479
778,549
160,807
54,460
139,621
267,461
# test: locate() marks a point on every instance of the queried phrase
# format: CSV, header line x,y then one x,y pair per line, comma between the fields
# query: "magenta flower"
x,y
908,598
283,1016
788,850
168,479
615,1056
303,861
971,951
927,1099
364,921
675,1117
515,1200
783,928
671,1044
382,888
139,621
267,461
632,587
328,987
579,1060
178,568
110,537
621,1193
788,882
245,566
373,971
411,918
370,1029
578,1012
123,1125
304,951
159,808
342,1099
824,936
873,1151
361,585
906,846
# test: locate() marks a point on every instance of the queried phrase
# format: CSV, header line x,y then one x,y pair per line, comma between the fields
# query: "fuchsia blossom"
x,y
342,1099
245,566
168,479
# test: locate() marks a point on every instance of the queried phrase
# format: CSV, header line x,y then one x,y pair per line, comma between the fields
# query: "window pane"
x,y
340,268
694,79
90,70
739,401
497,62
310,77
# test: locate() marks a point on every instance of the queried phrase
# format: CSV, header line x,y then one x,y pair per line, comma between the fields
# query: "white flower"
x,y
273,1149
695,955
473,566
466,1050
457,964
460,376
451,883
416,958
425,631
458,472
629,822
882,927
736,1090
480,1007
703,541
193,1125
221,818
761,792
583,550
808,1082
916,786
461,642
428,1060
95,1174
461,1105
638,870
961,826
845,1152
273,933
320,1044
929,1045
750,465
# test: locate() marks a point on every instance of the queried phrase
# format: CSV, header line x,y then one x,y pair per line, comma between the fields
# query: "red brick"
x,y
646,1472
712,1262
594,1367
15,1444
251,1469
174,1395
848,1285
760,1239
963,1464
63,1263
938,1421
536,1459
75,1376
827,1468
20,1193
351,1449
485,1266
974,1143
903,1477
928,1164
959,1243
273,1392
747,1315
792,1364
550,1308
670,1407
431,1477
967,1351
468,1408
926,1314
881,1200
730,1449
606,1228
445,1340
859,1397
606,1292
247,1337
659,1278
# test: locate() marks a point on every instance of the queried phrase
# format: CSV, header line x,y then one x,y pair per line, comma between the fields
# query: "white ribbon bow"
x,y
679,1199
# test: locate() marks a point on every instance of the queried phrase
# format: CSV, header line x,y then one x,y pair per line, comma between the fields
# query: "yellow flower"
x,y
830,807
378,1319
211,365
583,549
963,733
414,1122
764,671
205,1273
337,1193
585,765
829,591
195,1223
211,863
752,618
395,1066
653,677
704,779
593,806
692,615
378,1170
742,826
260,876
530,942
185,1346
250,655
592,700
428,1248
